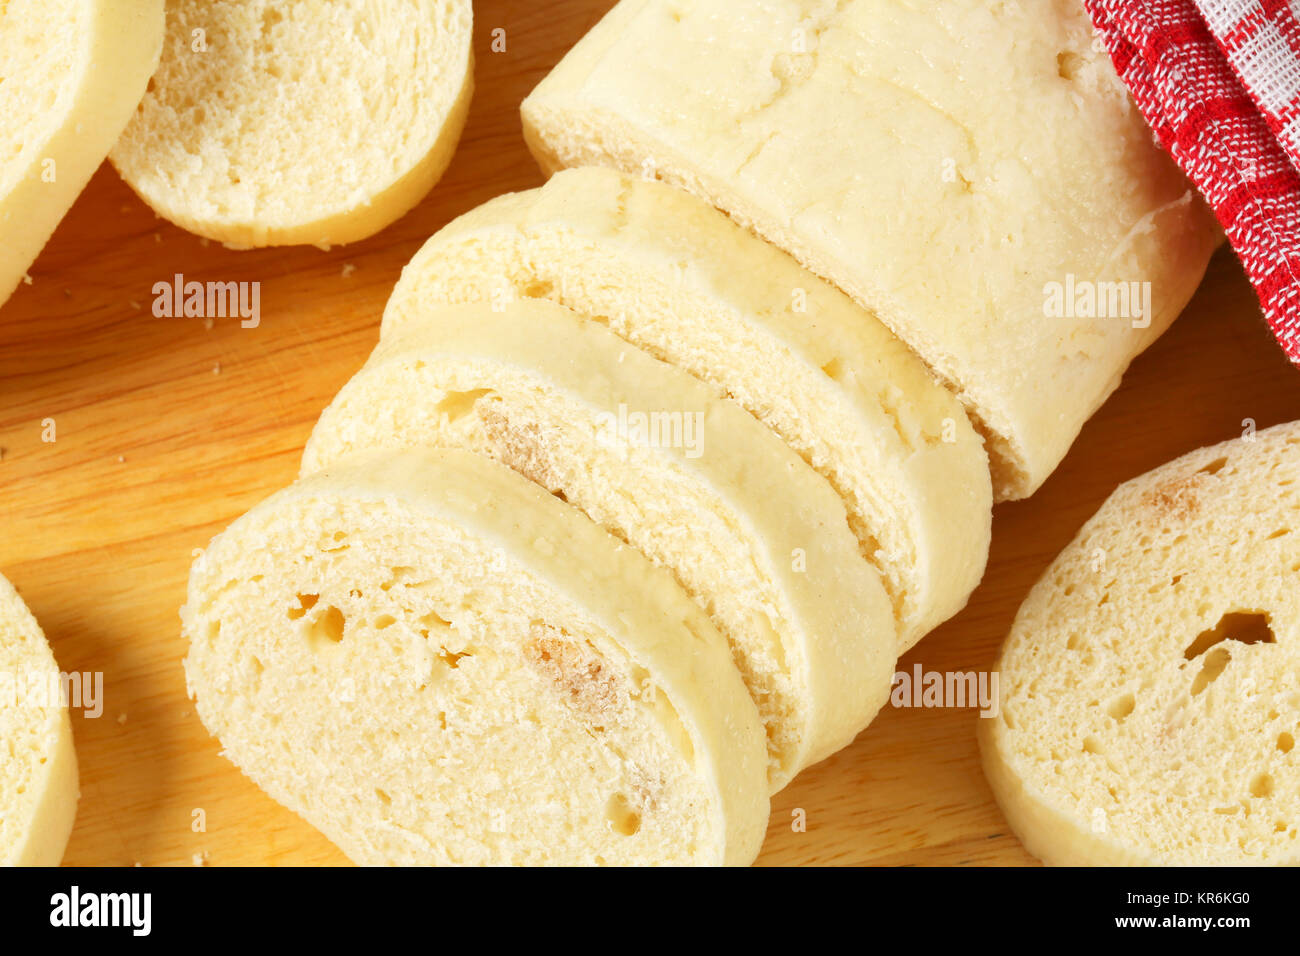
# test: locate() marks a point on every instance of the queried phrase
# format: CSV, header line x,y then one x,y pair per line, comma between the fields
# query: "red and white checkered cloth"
x,y
1219,82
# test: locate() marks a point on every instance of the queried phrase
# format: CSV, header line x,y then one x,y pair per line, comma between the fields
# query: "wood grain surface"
x,y
166,430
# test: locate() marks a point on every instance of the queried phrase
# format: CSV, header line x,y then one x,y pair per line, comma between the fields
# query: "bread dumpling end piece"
x,y
434,661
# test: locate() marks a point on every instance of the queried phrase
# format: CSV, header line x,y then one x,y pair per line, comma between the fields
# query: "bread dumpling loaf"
x,y
434,661
71,73
1150,686
677,278
663,462
38,765
278,122
974,172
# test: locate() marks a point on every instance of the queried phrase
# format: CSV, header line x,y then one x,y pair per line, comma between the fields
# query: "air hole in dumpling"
x,y
622,818
1245,627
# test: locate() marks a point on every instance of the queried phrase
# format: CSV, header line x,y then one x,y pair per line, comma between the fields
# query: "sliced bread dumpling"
x,y
71,74
973,172
663,462
38,765
677,278
282,122
434,661
1150,686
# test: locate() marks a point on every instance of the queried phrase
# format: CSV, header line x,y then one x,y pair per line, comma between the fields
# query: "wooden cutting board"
x,y
165,430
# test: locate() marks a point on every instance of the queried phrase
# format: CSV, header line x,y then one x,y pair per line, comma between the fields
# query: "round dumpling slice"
x,y
434,661
278,122
1150,686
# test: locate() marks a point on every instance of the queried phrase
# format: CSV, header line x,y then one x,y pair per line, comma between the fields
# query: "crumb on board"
x,y
348,269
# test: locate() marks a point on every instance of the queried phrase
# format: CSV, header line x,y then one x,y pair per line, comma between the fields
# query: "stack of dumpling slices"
x,y
622,525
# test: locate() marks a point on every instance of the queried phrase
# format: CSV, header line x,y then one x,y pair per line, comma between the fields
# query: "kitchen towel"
x,y
1219,82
